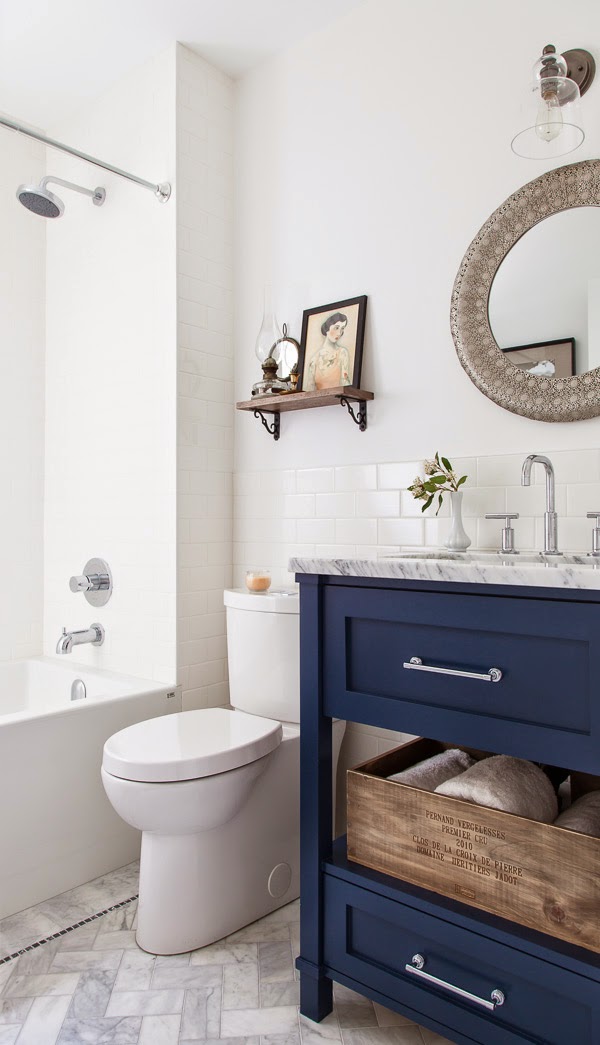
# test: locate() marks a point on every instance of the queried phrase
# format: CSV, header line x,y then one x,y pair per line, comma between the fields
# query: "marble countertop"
x,y
564,571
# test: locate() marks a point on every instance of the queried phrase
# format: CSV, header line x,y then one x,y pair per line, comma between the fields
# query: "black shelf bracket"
x,y
359,418
272,429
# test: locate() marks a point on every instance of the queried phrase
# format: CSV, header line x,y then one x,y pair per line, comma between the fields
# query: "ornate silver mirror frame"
x,y
541,398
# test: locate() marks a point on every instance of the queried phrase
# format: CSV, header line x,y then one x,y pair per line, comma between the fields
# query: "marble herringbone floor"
x,y
94,986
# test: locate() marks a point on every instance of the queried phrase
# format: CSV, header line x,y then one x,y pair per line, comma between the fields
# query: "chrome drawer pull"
x,y
416,664
416,968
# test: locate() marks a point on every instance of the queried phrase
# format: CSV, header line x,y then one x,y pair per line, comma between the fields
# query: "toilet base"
x,y
197,888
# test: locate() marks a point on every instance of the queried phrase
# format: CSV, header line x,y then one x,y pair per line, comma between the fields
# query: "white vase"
x,y
458,540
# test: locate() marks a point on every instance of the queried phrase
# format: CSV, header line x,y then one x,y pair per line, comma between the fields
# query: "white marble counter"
x,y
564,571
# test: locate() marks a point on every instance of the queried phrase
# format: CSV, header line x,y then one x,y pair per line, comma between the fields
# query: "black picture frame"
x,y
314,344
563,347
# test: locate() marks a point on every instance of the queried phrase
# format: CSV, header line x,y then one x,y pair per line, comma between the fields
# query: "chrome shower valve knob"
x,y
95,582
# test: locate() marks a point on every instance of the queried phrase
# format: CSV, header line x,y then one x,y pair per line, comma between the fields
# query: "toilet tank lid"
x,y
276,600
189,745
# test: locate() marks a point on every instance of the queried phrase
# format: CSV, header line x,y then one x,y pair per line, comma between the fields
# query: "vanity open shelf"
x,y
354,399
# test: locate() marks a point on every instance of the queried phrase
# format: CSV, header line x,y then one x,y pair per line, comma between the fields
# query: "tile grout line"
x,y
62,932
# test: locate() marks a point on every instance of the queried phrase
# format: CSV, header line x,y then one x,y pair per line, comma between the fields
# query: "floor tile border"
x,y
69,929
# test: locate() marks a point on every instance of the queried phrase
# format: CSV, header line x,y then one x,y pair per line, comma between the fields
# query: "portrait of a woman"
x,y
330,364
331,345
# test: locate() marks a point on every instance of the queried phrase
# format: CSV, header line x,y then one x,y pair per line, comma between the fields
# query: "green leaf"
x,y
462,480
437,479
440,502
437,458
427,503
446,464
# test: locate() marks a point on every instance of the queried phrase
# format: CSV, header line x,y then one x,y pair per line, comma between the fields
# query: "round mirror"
x,y
526,300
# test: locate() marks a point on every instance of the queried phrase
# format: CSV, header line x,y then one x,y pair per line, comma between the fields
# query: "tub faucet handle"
x,y
508,533
95,582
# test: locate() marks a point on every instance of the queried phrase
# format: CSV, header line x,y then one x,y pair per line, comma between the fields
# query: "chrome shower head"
x,y
39,199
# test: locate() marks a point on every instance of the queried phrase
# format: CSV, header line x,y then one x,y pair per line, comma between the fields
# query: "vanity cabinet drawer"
x,y
546,651
373,940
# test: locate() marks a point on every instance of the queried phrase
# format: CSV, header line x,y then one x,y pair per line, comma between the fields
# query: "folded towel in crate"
x,y
506,783
582,816
433,771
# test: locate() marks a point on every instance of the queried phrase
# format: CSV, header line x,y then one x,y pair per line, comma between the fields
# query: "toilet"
x,y
216,792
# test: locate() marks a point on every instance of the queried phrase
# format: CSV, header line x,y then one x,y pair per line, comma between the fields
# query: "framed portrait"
x,y
546,358
331,345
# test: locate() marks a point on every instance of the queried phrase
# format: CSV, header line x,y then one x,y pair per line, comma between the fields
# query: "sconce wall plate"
x,y
581,67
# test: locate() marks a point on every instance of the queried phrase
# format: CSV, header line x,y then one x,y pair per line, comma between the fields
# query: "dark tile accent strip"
x,y
63,932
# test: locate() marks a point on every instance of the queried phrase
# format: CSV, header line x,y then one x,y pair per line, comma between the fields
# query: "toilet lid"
x,y
189,745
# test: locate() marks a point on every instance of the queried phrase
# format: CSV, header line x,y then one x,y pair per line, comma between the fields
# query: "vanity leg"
x,y
316,997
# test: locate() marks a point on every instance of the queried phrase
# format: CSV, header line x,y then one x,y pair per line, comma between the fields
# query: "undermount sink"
x,y
491,558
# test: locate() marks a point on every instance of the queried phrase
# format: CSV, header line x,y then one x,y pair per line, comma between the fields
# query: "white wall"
x,y
205,375
22,321
369,155
111,379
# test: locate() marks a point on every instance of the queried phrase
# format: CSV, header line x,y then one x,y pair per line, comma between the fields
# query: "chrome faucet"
x,y
550,516
68,639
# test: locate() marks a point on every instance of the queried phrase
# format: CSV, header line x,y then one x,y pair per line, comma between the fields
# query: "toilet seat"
x,y
189,745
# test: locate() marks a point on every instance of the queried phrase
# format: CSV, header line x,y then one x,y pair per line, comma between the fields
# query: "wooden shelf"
x,y
344,395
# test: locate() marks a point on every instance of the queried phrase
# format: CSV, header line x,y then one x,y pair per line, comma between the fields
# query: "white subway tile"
x,y
583,498
398,476
401,531
279,482
356,531
314,480
299,505
499,470
334,505
311,531
575,466
378,504
349,478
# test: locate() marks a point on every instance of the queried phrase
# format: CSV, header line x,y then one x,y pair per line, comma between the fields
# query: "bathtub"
x,y
57,828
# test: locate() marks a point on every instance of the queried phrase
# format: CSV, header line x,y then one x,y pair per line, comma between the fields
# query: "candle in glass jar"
x,y
258,580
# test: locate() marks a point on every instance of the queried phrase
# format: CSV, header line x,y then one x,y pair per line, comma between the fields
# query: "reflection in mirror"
x,y
546,292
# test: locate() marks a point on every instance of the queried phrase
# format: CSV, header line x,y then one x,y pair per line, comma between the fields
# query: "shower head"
x,y
39,199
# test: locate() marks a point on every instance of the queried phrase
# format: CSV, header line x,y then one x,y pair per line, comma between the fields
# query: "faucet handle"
x,y
95,582
508,533
595,532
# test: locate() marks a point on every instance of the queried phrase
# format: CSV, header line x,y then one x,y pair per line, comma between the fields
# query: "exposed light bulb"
x,y
549,120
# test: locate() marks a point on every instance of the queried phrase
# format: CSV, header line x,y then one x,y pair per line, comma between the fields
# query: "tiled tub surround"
x,y
94,985
57,827
366,511
204,375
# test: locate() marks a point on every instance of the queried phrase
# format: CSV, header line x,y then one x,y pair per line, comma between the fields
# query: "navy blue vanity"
x,y
362,928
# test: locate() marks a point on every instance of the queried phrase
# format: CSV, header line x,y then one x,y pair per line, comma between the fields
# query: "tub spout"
x,y
94,635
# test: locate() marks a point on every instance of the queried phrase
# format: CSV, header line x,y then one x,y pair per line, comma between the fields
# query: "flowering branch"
x,y
439,479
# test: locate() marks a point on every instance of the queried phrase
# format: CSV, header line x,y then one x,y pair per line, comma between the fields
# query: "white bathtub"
x,y
57,828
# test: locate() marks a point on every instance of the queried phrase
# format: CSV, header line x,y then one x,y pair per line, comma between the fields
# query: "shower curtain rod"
x,y
162,190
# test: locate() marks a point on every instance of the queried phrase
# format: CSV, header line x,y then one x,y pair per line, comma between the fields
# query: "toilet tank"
x,y
263,651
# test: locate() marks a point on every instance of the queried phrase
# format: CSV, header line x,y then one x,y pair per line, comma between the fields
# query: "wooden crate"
x,y
535,874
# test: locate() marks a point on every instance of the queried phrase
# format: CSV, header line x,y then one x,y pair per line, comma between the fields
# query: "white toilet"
x,y
216,792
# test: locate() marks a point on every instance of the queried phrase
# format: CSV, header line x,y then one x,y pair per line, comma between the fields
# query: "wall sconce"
x,y
559,80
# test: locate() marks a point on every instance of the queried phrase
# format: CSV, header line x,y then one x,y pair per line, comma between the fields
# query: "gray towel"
x,y
435,770
506,783
582,816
